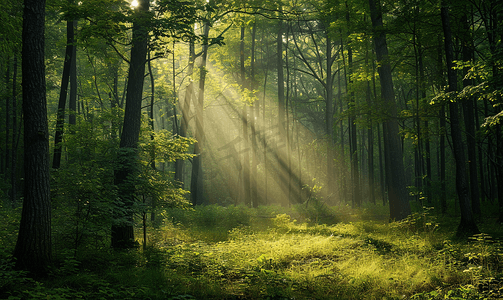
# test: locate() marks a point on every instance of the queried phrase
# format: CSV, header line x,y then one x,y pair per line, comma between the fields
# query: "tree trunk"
x,y
253,116
398,198
72,103
329,117
15,137
185,108
4,163
122,229
467,225
33,247
282,173
60,119
244,123
196,184
468,114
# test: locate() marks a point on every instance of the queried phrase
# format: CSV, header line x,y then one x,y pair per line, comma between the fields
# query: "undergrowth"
x,y
234,252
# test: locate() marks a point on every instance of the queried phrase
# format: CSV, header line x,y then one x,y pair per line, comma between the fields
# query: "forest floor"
x,y
315,252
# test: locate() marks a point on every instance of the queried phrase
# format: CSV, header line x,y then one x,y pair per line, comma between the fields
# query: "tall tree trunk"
x,y
253,116
196,184
398,198
33,247
60,120
468,114
329,116
15,136
370,132
185,108
353,144
244,122
72,103
467,225
122,229
280,152
4,163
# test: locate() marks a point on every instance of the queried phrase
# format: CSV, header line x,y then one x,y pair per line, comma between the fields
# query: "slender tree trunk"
x,y
398,198
196,185
280,152
72,103
499,171
353,144
253,117
468,114
15,136
122,229
244,122
329,116
370,141
33,247
153,203
60,120
467,225
185,108
4,164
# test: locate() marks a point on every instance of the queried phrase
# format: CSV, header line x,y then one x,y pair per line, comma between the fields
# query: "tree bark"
x,y
196,184
122,229
468,114
33,247
15,136
60,119
353,145
253,116
244,123
72,103
185,108
398,198
467,225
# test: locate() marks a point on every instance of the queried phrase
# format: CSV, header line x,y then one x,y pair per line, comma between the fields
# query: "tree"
x,y
196,185
467,224
122,230
67,67
33,247
398,201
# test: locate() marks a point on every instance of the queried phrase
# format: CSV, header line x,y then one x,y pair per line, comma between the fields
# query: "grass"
x,y
272,252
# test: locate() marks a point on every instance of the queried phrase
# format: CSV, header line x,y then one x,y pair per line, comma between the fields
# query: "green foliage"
x,y
316,211
191,258
417,222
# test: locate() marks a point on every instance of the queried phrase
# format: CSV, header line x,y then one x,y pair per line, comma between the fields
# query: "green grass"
x,y
273,252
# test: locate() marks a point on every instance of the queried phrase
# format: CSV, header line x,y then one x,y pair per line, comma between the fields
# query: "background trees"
x,y
336,102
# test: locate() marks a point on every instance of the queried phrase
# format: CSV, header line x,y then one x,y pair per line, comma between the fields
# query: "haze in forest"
x,y
172,138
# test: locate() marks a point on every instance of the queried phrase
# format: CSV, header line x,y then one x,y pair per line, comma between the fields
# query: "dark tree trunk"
x,y
467,225
253,116
329,116
468,114
196,184
280,152
370,141
244,122
33,247
60,119
122,229
398,198
72,103
4,164
15,136
185,107
353,145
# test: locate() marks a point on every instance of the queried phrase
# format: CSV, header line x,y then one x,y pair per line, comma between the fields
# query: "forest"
x,y
251,149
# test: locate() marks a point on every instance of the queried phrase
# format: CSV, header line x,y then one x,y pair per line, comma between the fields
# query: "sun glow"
x,y
264,167
134,4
